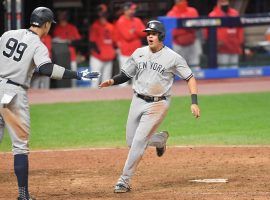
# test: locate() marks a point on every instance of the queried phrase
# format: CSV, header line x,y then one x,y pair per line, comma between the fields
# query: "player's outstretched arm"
x,y
192,85
57,72
116,80
106,83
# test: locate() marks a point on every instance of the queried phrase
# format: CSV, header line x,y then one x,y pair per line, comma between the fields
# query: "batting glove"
x,y
86,75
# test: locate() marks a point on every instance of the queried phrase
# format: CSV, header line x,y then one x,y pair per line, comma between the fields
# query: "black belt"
x,y
150,99
14,83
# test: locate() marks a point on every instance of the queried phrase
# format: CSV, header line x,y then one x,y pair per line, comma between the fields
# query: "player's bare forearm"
x,y
192,86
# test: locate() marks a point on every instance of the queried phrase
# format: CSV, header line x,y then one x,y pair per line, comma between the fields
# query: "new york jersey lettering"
x,y
151,65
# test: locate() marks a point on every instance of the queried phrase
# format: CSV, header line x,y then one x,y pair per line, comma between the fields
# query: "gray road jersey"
x,y
21,50
154,72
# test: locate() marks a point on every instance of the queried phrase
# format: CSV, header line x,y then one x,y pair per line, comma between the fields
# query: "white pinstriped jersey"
x,y
154,73
21,50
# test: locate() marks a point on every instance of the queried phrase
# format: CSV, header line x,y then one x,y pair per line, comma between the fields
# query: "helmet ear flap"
x,y
161,36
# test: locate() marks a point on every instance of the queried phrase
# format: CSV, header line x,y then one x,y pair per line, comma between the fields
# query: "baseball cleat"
x,y
30,198
161,151
121,188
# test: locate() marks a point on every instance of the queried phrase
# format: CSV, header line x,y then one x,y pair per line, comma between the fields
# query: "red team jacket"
x,y
47,40
182,36
68,32
102,35
229,39
128,34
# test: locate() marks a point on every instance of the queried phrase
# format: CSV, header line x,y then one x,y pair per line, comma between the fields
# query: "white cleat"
x,y
121,188
161,151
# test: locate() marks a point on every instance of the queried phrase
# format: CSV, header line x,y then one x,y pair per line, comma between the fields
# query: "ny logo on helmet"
x,y
152,25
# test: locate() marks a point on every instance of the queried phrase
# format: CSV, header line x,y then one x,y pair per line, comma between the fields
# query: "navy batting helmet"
x,y
41,15
156,26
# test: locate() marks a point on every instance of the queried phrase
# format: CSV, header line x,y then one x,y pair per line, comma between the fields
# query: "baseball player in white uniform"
x,y
152,68
22,51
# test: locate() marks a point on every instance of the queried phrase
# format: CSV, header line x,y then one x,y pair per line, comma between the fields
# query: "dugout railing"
x,y
211,70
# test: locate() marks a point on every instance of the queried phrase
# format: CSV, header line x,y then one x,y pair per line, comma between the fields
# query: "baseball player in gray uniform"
x,y
153,68
22,51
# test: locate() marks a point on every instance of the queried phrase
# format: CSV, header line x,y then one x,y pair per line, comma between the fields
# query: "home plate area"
x,y
218,180
233,172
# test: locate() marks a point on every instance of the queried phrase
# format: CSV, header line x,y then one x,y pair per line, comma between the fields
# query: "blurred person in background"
x,y
67,33
267,35
38,81
267,39
185,41
102,52
128,33
229,39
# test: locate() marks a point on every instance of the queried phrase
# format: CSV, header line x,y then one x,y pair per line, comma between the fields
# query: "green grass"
x,y
235,119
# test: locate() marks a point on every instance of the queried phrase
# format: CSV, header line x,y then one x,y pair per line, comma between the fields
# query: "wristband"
x,y
194,99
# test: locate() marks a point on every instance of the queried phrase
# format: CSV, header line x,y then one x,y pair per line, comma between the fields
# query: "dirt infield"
x,y
91,173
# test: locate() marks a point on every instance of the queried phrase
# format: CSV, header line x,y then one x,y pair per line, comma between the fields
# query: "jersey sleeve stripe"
x,y
189,77
126,74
